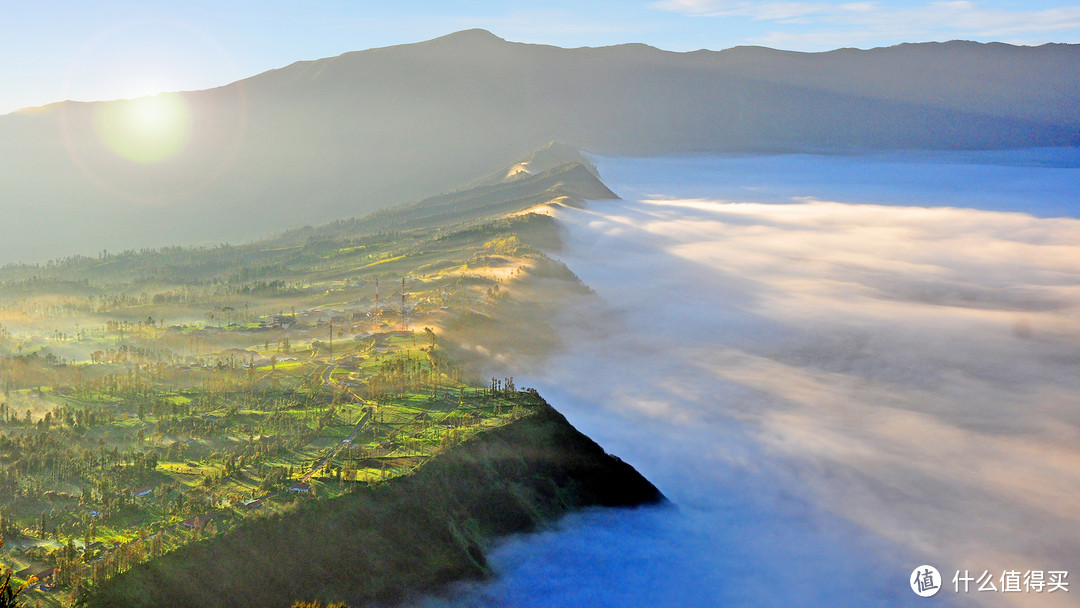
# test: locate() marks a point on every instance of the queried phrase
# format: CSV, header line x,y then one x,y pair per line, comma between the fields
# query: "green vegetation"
x,y
380,544
8,593
157,399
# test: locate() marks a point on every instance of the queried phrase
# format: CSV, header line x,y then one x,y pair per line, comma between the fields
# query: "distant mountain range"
x,y
342,137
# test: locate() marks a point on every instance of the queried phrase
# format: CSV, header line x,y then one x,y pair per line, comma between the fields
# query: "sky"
x,y
114,49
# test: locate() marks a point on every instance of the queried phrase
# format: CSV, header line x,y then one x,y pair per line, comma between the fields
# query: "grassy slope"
x,y
387,542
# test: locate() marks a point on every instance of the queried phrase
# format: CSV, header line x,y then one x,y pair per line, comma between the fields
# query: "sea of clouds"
x,y
836,368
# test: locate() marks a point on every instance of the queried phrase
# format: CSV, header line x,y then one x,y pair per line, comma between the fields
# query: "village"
x,y
129,437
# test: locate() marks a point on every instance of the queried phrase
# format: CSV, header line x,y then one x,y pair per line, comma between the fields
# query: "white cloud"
x,y
913,368
907,369
874,20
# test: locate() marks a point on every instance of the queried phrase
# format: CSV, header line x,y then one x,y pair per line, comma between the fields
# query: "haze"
x,y
341,137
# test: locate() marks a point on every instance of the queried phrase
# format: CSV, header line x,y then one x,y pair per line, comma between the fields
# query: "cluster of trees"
x,y
57,456
502,388
128,353
264,288
401,374
117,559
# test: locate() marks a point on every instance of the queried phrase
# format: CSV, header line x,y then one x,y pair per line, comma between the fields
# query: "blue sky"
x,y
115,48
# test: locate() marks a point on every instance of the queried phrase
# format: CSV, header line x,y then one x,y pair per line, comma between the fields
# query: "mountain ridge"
x,y
340,137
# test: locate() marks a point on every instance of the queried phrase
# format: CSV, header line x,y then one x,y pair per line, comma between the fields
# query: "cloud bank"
x,y
830,393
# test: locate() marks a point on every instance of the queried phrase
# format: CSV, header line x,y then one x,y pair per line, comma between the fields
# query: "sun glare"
x,y
147,129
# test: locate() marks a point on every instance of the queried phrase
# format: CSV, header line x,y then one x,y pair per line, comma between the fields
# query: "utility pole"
x,y
376,312
404,325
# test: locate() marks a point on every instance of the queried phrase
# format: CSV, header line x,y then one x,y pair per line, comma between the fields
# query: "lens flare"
x,y
145,130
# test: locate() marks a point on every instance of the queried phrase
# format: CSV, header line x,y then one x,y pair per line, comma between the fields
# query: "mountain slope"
x,y
321,140
387,543
289,256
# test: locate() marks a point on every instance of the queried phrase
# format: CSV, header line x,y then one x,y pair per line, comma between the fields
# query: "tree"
x,y
8,593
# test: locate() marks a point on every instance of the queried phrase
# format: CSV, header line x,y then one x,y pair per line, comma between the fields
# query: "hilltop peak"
x,y
473,36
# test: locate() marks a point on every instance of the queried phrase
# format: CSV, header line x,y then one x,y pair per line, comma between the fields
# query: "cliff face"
x,y
407,536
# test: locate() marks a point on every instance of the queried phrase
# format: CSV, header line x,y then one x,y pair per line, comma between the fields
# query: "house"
x,y
351,361
143,491
197,522
45,576
279,322
300,487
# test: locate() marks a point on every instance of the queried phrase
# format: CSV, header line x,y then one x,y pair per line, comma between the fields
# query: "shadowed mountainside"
x,y
322,140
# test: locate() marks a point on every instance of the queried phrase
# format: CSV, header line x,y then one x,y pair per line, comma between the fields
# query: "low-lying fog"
x,y
830,392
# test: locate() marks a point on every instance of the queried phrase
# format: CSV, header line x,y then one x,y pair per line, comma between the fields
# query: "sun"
x,y
148,129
